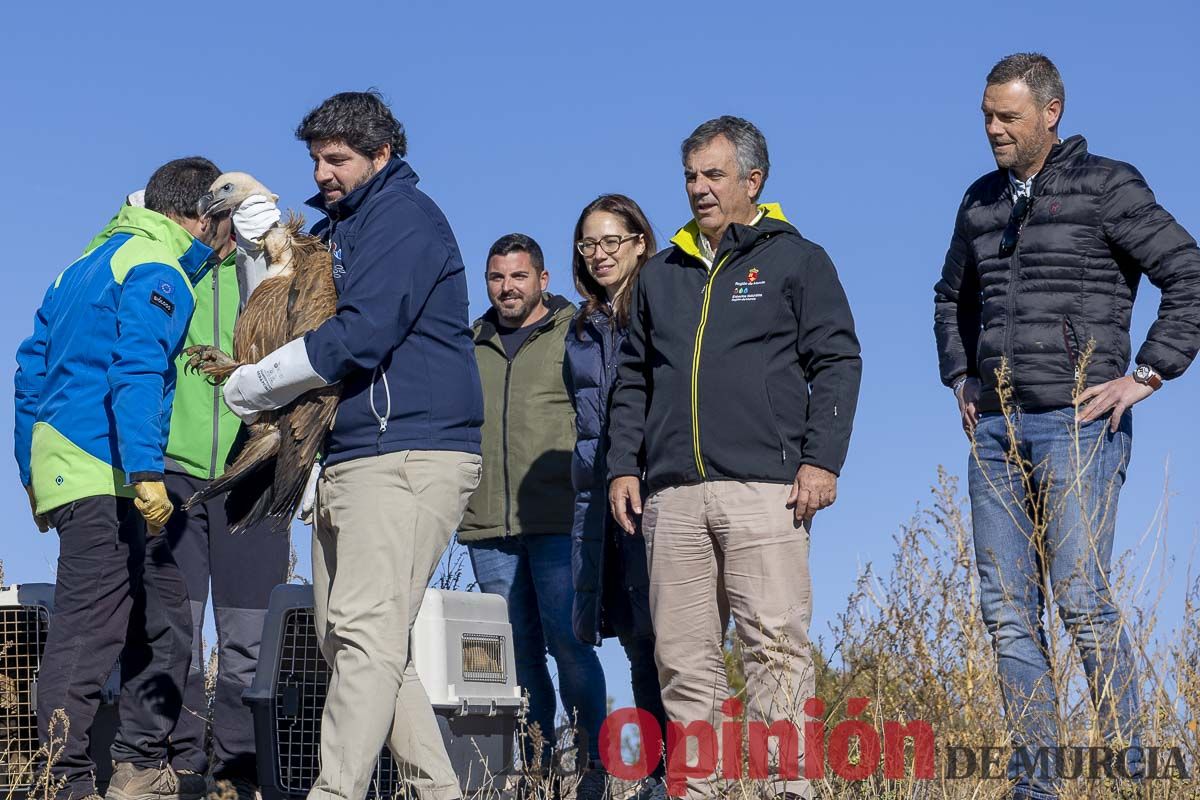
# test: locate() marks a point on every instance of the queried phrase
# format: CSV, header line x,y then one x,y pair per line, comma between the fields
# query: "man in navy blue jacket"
x,y
403,456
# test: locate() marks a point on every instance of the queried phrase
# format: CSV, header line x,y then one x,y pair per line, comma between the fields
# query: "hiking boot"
x,y
192,785
130,782
593,786
68,791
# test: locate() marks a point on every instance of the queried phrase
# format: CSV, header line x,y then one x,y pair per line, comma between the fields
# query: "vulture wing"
x,y
302,430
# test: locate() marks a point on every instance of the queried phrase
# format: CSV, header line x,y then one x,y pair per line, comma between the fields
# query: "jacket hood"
x,y
560,309
737,238
192,254
395,170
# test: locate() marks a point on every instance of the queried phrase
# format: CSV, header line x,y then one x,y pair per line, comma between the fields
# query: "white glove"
x,y
255,216
272,383
250,263
310,495
136,199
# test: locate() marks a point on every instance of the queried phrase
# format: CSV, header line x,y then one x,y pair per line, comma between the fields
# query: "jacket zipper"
x,y
601,452
216,420
379,374
1071,341
606,340
608,358
504,444
1010,310
696,368
1013,270
504,426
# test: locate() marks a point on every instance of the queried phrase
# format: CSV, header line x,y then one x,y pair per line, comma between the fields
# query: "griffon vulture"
x,y
268,477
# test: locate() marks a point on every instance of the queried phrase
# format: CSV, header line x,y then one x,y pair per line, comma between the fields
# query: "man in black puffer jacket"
x,y
1032,313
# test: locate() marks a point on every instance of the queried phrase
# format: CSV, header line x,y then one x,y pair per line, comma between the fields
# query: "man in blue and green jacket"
x,y
93,393
242,569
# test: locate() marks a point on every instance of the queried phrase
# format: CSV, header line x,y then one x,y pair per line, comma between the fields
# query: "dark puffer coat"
x,y
608,565
1092,230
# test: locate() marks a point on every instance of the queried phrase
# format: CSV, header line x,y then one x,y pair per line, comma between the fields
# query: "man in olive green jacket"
x,y
518,522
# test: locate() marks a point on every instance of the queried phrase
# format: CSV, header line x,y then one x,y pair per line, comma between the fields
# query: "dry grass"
x,y
911,639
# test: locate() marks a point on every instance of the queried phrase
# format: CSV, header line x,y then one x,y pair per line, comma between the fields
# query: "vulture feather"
x,y
266,481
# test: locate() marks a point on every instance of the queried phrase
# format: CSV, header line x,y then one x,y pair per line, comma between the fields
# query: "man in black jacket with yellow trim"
x,y
736,392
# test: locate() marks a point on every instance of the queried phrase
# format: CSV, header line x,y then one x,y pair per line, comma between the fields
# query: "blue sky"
x,y
520,113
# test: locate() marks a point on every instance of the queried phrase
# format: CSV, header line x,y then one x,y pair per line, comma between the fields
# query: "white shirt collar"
x,y
1021,188
706,252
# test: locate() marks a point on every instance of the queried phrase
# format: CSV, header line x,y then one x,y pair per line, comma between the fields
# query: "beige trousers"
x,y
741,540
382,524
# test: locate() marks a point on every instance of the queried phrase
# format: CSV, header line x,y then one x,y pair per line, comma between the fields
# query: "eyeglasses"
x,y
1016,220
609,244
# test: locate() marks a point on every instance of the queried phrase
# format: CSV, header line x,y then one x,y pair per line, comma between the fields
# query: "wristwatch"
x,y
1145,375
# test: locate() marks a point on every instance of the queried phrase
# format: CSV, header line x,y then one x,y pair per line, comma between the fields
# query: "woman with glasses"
x,y
613,240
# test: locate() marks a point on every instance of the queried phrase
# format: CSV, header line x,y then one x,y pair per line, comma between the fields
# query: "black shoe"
x,y
192,785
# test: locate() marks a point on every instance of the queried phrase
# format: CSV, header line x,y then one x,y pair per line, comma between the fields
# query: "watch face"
x,y
1142,373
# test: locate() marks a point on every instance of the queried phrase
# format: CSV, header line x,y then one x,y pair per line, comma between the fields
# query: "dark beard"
x,y
361,182
364,179
517,317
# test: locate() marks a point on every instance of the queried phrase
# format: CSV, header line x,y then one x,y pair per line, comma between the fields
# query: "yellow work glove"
x,y
153,504
40,520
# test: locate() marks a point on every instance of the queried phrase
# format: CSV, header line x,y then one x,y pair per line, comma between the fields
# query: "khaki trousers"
x,y
382,524
741,541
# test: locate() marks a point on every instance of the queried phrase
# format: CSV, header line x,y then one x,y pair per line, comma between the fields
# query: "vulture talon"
x,y
211,361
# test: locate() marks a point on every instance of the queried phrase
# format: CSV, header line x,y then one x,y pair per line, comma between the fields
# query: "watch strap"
x,y
1153,379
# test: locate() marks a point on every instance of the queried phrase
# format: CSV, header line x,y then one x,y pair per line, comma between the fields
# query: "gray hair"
x,y
748,142
1034,70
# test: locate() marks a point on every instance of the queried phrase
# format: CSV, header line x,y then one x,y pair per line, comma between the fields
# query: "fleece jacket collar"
x,y
737,237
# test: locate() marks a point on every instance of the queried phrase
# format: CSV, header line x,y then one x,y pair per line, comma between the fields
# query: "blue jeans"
x,y
647,693
1056,516
533,573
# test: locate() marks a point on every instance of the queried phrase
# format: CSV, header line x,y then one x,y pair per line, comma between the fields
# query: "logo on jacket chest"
x,y
339,270
749,288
